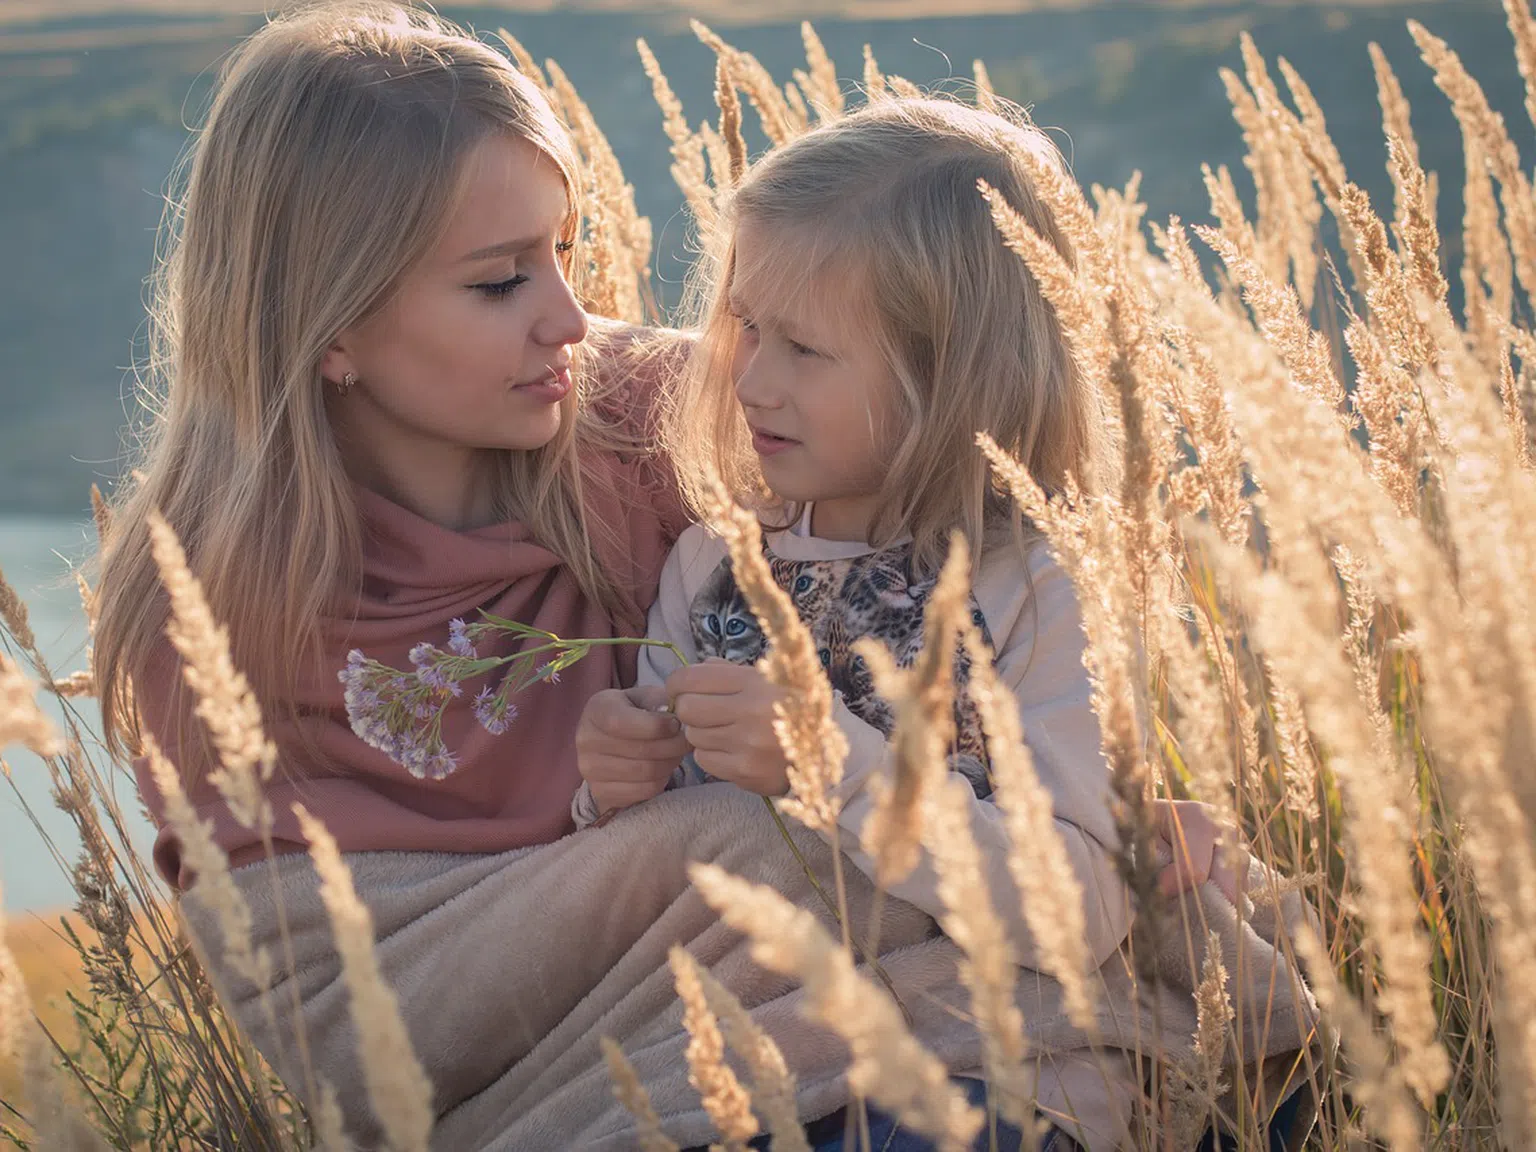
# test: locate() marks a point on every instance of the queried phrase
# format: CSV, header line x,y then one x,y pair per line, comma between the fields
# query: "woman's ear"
x,y
336,363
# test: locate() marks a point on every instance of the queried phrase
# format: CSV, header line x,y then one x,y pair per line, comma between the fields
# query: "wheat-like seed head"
x,y
728,1103
889,1065
823,91
21,720
225,702
637,1102
813,743
730,122
398,1086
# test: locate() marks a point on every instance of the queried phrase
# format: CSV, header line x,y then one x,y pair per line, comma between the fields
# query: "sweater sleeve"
x,y
1040,659
667,621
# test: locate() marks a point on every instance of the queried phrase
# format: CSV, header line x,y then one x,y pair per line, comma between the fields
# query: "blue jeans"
x,y
885,1135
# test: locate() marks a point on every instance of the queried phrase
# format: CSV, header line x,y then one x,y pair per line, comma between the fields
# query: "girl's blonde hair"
x,y
331,160
886,199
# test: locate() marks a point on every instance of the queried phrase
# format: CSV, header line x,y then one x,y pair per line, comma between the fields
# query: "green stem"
x,y
833,910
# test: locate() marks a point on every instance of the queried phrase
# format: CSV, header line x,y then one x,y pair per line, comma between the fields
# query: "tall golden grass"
x,y
1309,602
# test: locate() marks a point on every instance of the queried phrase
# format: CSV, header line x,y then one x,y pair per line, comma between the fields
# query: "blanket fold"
x,y
510,968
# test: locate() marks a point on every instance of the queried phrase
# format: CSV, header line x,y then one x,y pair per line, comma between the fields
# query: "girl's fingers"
x,y
699,711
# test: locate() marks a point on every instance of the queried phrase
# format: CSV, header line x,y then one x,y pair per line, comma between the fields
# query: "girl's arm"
x,y
1040,659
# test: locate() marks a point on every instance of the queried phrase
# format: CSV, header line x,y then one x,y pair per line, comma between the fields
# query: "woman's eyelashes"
x,y
501,289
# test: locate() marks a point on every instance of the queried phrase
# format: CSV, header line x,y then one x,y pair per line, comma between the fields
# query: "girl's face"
x,y
816,393
472,350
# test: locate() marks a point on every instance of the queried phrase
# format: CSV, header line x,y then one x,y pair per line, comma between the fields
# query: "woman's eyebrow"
x,y
505,248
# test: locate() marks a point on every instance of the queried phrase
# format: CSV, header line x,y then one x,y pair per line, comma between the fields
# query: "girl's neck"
x,y
844,518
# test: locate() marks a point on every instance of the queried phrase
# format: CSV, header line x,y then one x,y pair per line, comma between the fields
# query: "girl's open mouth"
x,y
767,444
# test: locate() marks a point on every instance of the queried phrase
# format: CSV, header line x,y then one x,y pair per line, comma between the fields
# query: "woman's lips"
x,y
767,444
550,388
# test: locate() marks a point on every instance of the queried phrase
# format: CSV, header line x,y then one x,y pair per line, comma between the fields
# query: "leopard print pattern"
x,y
840,600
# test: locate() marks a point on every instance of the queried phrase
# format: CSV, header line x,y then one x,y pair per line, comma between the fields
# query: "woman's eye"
x,y
747,324
500,289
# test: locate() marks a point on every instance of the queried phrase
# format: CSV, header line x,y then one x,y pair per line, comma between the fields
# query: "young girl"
x,y
865,324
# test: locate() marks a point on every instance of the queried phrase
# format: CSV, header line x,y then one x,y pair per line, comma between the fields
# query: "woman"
x,y
384,409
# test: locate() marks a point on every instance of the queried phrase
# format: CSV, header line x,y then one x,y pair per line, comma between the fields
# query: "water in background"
x,y
35,554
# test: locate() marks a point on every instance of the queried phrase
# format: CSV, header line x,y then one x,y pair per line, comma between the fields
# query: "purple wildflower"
x,y
493,712
458,640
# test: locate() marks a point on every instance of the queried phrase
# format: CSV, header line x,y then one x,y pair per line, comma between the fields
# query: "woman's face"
x,y
472,350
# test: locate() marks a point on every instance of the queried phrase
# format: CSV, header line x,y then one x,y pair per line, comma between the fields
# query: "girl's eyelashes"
x,y
500,289
802,349
565,246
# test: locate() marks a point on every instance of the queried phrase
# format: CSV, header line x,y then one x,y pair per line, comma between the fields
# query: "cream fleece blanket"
x,y
511,967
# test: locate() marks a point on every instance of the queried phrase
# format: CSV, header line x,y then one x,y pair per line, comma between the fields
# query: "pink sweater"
x,y
510,791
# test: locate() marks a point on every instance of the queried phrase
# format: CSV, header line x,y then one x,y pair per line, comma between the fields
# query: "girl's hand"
x,y
625,749
1187,837
727,715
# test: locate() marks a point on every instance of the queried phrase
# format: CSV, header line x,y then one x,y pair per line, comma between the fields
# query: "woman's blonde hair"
x,y
329,163
885,199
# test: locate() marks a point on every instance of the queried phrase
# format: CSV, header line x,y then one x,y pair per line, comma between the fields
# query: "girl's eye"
x,y
565,246
802,349
501,289
747,324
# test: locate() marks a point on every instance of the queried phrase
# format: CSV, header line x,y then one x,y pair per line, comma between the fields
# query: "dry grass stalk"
x,y
74,686
1487,269
225,702
725,1100
329,1123
773,1084
1060,284
21,720
1480,122
1385,397
874,79
526,64
1416,229
687,154
630,1093
1523,28
986,94
748,73
13,613
1386,285
901,86
813,743
730,122
398,1087
923,700
1213,1015
618,237
888,1065
1282,321
1396,114
215,889
988,968
57,1120
824,93
1514,411
1379,831
1038,862
1197,397
1200,715
1377,1082
799,110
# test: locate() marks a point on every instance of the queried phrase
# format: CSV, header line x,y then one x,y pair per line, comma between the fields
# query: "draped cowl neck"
x,y
509,791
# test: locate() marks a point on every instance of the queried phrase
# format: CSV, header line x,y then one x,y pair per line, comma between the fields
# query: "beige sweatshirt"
x,y
845,590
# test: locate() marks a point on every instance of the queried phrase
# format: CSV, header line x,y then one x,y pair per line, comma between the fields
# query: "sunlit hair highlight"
x,y
330,162
876,219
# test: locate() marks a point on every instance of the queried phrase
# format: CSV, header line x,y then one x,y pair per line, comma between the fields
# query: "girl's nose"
x,y
754,386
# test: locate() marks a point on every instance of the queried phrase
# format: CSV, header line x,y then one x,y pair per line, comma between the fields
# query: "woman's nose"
x,y
564,320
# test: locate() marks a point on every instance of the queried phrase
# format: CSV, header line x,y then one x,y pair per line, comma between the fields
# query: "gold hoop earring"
x,y
346,383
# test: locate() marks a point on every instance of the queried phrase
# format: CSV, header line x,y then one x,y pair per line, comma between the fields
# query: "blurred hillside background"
x,y
96,97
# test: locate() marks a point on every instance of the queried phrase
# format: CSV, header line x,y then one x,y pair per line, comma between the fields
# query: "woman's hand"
x,y
625,749
727,714
1187,837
